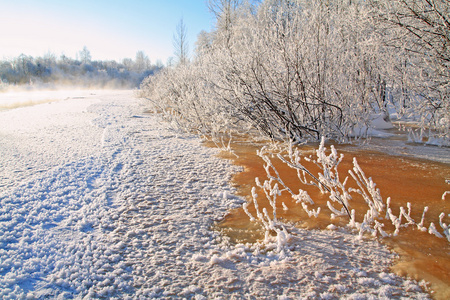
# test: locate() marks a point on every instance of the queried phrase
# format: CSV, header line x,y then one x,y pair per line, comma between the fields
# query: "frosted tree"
x,y
128,63
85,55
180,43
142,62
225,13
203,43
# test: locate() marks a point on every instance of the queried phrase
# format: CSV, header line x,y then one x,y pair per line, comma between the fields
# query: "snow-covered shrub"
x,y
282,69
183,96
306,69
416,35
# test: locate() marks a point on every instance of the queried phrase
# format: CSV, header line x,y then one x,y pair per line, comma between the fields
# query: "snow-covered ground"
x,y
100,200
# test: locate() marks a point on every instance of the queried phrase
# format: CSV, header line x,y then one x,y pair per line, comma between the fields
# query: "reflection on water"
x,y
420,182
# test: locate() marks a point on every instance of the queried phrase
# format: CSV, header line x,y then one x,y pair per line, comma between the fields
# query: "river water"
x,y
399,170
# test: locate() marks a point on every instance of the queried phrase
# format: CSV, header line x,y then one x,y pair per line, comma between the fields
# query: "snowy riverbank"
x,y
99,199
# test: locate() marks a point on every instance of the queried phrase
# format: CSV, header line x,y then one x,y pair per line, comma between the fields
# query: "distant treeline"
x,y
50,71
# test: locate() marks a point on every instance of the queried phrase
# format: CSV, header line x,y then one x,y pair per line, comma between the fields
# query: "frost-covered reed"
x,y
376,217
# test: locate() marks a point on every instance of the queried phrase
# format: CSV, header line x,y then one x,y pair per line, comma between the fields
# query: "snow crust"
x,y
99,200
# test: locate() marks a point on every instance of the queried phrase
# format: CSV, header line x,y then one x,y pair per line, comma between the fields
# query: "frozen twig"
x,y
446,192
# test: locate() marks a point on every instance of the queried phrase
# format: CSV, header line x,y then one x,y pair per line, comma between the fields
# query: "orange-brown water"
x,y
420,182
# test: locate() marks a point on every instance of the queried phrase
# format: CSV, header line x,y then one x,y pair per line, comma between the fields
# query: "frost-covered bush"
x,y
184,96
274,69
416,34
303,70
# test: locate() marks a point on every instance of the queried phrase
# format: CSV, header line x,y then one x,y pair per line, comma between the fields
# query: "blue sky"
x,y
110,29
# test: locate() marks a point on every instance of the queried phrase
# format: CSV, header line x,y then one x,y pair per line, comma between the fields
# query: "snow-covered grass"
x,y
99,200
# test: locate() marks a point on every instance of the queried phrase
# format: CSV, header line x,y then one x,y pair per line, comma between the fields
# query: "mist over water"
x,y
20,96
36,75
14,99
